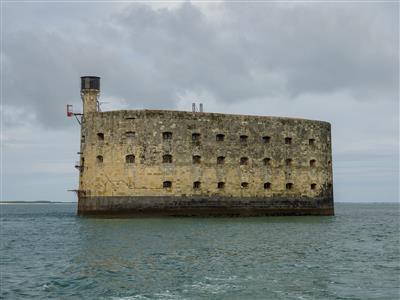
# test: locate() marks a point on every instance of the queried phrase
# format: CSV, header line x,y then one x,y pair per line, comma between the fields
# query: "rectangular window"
x,y
266,139
244,161
130,159
196,185
196,159
312,163
196,137
167,184
167,135
220,137
289,186
267,161
167,159
243,139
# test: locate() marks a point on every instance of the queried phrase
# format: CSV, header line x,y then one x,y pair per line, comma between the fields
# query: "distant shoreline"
x,y
35,202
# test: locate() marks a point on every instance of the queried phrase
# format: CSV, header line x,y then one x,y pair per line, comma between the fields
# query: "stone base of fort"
x,y
122,206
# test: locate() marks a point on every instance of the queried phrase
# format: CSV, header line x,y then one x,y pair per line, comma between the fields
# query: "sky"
x,y
333,61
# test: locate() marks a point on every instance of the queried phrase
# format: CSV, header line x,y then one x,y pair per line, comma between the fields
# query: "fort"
x,y
177,163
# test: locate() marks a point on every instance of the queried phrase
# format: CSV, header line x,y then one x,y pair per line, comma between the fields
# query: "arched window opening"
x,y
220,160
100,136
196,137
244,161
130,159
99,159
289,162
196,185
243,139
221,185
266,139
244,185
167,184
289,186
267,161
196,159
167,159
313,186
288,140
267,185
220,137
313,163
167,135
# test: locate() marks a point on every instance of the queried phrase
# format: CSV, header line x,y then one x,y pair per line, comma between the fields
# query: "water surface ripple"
x,y
49,253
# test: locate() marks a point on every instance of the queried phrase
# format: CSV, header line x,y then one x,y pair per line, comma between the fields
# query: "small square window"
x,y
196,185
167,135
167,184
288,140
243,138
244,161
167,159
289,186
220,137
267,161
130,159
196,137
266,139
221,185
196,159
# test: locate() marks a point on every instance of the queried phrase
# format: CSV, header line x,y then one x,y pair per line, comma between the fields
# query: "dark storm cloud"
x,y
151,56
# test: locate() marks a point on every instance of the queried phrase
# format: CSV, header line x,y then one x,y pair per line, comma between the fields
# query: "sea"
x,y
47,252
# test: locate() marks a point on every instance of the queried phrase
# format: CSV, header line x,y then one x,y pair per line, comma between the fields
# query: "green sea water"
x,y
47,252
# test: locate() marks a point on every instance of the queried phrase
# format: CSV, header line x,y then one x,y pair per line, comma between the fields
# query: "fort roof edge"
x,y
183,112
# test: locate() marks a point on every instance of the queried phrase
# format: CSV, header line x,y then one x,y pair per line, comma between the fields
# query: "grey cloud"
x,y
150,56
332,61
324,47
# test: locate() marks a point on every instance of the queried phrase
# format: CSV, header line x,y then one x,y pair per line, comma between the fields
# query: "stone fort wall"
x,y
175,154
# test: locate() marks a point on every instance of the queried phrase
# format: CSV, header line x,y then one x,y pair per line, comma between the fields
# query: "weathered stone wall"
x,y
108,137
